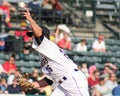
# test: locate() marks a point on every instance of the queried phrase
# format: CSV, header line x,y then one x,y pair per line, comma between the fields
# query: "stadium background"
x,y
85,18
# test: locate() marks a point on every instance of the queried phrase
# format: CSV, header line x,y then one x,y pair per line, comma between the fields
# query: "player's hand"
x,y
27,14
36,85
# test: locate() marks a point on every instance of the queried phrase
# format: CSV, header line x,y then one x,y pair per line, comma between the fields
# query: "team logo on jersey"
x,y
44,61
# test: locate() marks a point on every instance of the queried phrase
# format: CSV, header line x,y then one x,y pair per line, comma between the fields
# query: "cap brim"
x,y
29,34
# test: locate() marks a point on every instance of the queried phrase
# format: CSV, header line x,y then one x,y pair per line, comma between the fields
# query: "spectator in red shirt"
x,y
65,43
94,79
10,66
19,33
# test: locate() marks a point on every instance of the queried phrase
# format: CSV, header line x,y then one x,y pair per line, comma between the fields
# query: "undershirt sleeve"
x,y
39,39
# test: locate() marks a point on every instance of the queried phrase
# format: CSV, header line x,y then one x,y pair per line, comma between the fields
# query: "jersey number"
x,y
49,69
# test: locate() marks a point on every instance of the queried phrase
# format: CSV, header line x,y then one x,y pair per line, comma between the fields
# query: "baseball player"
x,y
56,64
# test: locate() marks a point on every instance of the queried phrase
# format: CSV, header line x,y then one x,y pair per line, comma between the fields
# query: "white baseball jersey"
x,y
56,64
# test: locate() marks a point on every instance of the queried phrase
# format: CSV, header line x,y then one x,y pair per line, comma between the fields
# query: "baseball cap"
x,y
45,31
64,28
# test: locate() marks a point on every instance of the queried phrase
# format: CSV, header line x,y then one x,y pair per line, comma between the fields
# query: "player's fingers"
x,y
26,9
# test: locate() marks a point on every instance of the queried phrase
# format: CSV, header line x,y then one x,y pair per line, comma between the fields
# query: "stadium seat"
x,y
5,56
26,57
96,59
32,57
17,57
24,69
1,61
116,54
113,60
1,55
31,63
75,40
20,63
99,66
37,57
78,59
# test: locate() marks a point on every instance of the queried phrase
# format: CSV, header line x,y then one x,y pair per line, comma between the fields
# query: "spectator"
x,y
52,37
116,90
111,83
10,66
81,46
3,37
2,44
94,79
3,73
57,7
34,7
22,32
2,70
3,85
48,4
6,3
91,70
27,40
34,76
13,88
65,43
110,68
101,89
5,9
99,44
11,77
60,29
84,69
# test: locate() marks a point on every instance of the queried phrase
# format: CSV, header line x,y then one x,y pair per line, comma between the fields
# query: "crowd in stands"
x,y
101,82
9,85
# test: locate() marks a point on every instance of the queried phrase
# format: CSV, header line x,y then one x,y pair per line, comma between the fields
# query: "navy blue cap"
x,y
45,30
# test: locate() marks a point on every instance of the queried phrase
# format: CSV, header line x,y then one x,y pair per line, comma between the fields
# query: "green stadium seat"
x,y
26,57
37,58
79,59
17,57
37,64
89,60
96,59
20,63
116,54
118,61
31,63
5,56
1,55
32,57
24,69
112,60
99,66
75,40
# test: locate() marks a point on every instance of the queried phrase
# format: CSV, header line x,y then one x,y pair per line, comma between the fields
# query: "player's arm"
x,y
42,83
37,30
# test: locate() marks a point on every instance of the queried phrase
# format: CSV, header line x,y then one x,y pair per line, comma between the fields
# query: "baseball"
x,y
21,4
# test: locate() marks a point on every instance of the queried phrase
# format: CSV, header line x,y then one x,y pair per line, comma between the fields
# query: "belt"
x,y
65,78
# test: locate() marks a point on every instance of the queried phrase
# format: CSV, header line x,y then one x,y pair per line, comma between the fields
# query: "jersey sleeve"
x,y
50,50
